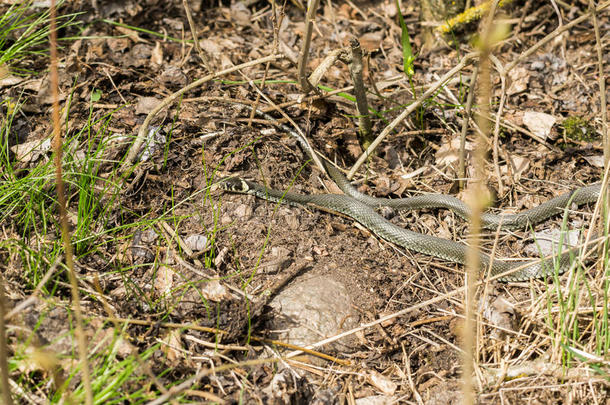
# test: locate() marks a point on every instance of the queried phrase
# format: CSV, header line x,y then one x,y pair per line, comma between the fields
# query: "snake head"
x,y
234,185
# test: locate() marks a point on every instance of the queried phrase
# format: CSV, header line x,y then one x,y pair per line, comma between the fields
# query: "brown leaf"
x,y
146,105
539,123
164,281
173,347
371,41
382,383
133,35
156,57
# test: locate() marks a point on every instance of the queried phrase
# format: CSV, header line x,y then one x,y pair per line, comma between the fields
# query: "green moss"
x,y
579,129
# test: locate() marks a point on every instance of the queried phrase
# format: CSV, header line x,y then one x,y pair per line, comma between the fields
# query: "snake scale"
x,y
361,208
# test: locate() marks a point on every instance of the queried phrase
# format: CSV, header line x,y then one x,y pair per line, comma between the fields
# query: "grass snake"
x,y
426,244
361,208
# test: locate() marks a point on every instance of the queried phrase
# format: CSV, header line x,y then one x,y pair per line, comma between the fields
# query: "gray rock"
x,y
312,309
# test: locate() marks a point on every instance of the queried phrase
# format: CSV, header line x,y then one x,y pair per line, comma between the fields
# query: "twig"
x,y
465,122
304,350
560,23
364,119
306,87
465,60
476,201
323,66
496,141
602,83
142,132
63,216
189,17
4,371
274,50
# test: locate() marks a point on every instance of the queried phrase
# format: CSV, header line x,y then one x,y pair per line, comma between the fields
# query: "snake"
x,y
362,208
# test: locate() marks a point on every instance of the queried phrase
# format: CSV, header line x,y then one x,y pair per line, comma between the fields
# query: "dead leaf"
x,y
376,400
172,77
240,13
146,104
177,24
164,281
519,79
214,291
118,44
389,8
210,46
547,241
196,242
595,161
539,123
156,57
153,141
382,383
519,165
448,153
498,312
173,347
371,41
31,151
6,78
131,34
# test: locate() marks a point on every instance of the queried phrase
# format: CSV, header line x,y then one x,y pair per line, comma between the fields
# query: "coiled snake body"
x,y
361,208
426,244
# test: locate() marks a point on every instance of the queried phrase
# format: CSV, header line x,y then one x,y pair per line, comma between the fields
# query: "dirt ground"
x,y
252,247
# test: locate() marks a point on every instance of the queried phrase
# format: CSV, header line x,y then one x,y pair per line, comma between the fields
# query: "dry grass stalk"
x,y
63,215
189,17
477,203
306,87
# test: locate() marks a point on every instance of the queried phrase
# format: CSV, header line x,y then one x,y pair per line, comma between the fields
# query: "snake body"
x,y
361,208
426,244
554,206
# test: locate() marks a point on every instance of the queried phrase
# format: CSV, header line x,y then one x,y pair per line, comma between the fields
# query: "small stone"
x,y
196,243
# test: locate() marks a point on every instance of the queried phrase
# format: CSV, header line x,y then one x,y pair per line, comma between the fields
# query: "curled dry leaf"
x,y
196,243
172,347
131,34
500,313
214,291
448,153
156,57
595,161
519,165
519,78
382,383
164,280
539,123
31,151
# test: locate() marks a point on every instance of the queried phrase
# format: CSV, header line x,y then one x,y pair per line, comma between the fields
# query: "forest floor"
x,y
179,279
